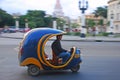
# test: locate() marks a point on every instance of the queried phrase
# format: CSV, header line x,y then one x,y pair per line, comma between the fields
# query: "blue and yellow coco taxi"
x,y
32,53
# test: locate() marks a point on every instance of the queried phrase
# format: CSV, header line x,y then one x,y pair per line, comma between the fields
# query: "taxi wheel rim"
x,y
33,70
75,68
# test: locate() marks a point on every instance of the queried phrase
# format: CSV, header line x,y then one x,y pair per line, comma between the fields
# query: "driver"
x,y
58,50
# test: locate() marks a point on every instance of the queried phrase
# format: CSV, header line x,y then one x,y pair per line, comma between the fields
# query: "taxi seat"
x,y
54,58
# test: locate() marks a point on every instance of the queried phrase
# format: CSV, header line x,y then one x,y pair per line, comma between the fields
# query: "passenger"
x,y
58,50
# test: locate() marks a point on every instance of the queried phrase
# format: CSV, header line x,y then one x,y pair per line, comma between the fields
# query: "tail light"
x,y
21,50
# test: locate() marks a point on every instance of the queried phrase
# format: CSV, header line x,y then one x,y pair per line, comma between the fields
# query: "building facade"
x,y
114,16
96,20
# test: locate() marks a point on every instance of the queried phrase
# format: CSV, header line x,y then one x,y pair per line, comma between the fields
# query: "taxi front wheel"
x,y
33,70
75,68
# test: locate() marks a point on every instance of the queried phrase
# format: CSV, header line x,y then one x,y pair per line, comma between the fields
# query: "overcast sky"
x,y
70,7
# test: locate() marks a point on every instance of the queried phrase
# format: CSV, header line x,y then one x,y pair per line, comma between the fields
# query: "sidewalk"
x,y
67,38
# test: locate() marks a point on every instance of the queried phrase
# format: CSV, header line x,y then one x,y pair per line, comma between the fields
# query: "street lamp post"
x,y
16,17
17,24
54,22
83,5
26,23
111,24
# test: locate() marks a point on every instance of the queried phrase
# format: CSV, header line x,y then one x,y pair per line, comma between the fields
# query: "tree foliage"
x,y
100,22
60,23
101,11
5,19
36,18
75,25
90,23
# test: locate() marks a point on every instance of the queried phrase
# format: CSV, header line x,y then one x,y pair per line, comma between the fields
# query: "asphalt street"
x,y
101,61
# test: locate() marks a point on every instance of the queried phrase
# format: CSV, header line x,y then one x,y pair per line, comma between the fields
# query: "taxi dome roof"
x,y
34,35
43,31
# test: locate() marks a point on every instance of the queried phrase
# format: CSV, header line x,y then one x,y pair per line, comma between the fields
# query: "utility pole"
x,y
83,5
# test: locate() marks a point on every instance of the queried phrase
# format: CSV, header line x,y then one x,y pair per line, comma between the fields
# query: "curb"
x,y
86,40
10,37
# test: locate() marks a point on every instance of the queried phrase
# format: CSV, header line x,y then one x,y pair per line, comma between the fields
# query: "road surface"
x,y
101,61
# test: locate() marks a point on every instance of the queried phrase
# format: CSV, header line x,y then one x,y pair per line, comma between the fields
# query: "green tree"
x,y
22,20
48,21
60,23
5,19
74,25
90,23
100,22
36,18
32,24
101,11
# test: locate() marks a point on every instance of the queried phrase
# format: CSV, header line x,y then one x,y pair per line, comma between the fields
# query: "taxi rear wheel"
x,y
33,70
75,68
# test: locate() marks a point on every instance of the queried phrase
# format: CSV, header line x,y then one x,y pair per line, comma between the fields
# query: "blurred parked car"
x,y
24,30
9,30
12,30
1,29
21,29
76,30
27,29
5,30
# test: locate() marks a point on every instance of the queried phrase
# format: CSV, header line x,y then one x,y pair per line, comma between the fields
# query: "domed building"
x,y
58,9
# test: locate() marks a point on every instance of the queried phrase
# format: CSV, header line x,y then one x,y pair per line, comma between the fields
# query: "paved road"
x,y
101,61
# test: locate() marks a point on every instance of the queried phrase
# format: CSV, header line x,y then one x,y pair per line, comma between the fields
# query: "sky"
x,y
70,7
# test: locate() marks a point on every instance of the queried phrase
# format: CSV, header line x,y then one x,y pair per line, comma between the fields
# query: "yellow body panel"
x,y
31,61
53,66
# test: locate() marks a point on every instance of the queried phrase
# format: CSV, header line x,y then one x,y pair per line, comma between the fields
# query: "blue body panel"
x,y
75,61
31,41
